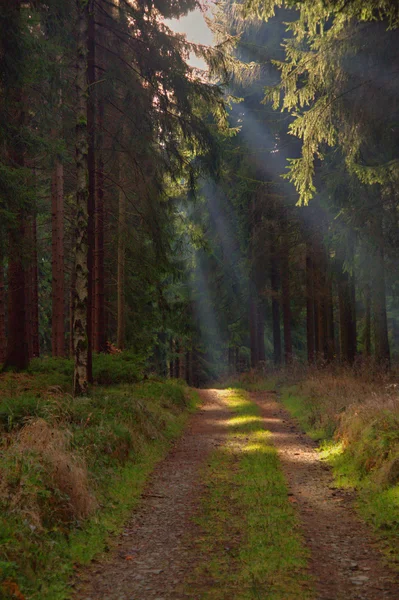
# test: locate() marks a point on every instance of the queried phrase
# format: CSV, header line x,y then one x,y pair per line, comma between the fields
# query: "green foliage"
x,y
109,443
123,367
362,445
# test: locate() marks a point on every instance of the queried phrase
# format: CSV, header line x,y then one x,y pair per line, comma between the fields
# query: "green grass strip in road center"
x,y
249,538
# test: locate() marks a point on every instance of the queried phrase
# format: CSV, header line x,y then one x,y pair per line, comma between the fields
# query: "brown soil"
x,y
154,556
157,553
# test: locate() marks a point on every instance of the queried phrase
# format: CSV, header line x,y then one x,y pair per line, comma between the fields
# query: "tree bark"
x,y
274,280
31,289
91,165
120,335
253,328
381,343
80,341
100,338
58,281
310,312
346,328
3,339
17,344
182,361
330,319
286,302
261,332
367,322
17,354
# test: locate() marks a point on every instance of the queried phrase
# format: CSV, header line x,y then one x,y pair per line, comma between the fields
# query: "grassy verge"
x,y
72,470
250,542
357,426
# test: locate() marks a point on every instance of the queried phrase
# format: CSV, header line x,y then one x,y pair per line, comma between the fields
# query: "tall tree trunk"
x,y
17,355
120,334
17,344
310,312
80,341
274,280
253,328
182,361
346,328
72,292
31,289
3,339
100,338
330,319
321,303
381,343
91,165
58,281
261,331
286,301
367,321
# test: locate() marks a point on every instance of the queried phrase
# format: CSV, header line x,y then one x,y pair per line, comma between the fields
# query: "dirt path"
x,y
344,558
154,555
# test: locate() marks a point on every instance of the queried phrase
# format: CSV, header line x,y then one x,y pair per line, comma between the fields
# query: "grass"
x,y
250,542
72,470
356,422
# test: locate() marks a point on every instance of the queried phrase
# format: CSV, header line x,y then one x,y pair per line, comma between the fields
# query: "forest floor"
x,y
243,507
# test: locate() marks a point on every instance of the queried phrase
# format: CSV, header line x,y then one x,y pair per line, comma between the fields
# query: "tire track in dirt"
x,y
345,559
154,556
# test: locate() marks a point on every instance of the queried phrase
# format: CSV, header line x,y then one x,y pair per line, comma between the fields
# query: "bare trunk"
x,y
91,165
3,340
17,344
347,348
80,342
274,280
182,361
381,343
367,322
253,328
31,290
261,332
330,320
100,338
120,336
17,355
310,312
58,281
286,303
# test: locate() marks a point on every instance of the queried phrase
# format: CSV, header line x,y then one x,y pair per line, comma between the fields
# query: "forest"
x,y
177,239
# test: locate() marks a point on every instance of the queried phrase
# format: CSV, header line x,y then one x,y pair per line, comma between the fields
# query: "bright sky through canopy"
x,y
196,30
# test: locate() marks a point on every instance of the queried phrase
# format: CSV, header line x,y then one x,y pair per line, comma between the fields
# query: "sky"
x,y
196,30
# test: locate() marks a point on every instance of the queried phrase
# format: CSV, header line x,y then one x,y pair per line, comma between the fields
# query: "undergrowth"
x,y
355,418
354,415
72,469
249,540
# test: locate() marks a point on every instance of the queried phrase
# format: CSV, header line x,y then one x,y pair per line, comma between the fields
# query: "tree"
x,y
80,338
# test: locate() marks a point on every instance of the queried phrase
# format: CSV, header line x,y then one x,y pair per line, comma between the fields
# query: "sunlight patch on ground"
x,y
248,526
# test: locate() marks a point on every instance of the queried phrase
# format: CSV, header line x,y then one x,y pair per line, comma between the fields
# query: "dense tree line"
x,y
135,215
100,115
311,181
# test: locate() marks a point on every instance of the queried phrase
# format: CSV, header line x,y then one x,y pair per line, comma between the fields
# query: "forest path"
x,y
158,551
345,559
154,556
